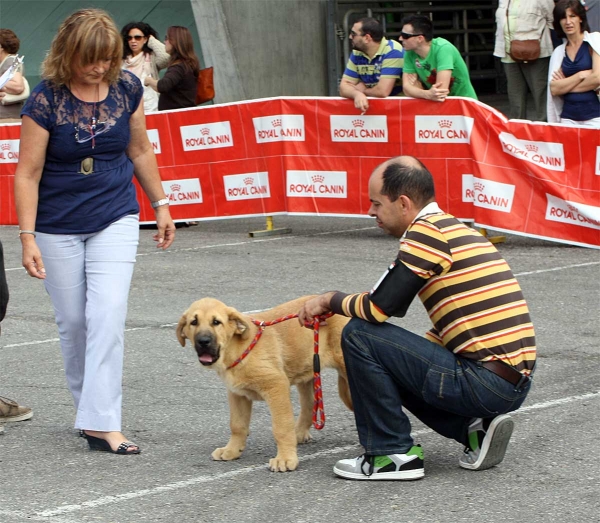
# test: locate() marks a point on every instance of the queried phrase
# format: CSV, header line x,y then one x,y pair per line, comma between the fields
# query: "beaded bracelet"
x,y
27,232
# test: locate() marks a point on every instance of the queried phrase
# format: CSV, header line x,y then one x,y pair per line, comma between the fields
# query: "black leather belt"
x,y
506,372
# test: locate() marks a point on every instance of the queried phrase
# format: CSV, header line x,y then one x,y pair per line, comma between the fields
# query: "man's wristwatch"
x,y
164,201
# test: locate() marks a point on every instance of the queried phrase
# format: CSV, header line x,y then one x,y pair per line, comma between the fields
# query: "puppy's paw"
x,y
303,436
280,464
226,454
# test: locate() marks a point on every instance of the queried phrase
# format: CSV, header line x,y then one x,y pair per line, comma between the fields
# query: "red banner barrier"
x,y
315,155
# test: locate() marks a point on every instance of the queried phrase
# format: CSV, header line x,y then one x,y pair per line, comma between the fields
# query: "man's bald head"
x,y
406,175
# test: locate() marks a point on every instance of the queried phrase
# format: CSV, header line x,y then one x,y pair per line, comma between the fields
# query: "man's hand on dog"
x,y
315,307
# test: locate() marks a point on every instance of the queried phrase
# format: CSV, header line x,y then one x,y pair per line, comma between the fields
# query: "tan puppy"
x,y
282,357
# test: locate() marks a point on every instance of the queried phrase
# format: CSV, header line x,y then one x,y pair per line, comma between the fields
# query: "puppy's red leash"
x,y
318,408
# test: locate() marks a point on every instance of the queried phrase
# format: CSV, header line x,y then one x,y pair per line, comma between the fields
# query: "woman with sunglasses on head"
x,y
83,139
144,55
177,88
574,74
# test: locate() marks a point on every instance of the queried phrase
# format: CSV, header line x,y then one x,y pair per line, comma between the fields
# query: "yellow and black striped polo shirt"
x,y
471,296
474,302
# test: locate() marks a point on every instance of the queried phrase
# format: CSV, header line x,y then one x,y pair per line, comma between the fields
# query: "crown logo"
x,y
572,208
317,178
204,131
175,187
249,180
445,123
276,122
531,147
358,123
478,186
5,146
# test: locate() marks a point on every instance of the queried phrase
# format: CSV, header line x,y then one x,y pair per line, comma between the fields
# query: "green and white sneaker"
x,y
488,439
394,466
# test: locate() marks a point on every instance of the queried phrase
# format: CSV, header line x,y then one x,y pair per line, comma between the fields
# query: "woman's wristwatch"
x,y
164,201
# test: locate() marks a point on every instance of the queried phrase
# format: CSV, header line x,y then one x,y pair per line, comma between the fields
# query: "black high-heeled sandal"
x,y
103,445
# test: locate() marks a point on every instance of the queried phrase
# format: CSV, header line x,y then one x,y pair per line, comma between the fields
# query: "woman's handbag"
x,y
205,89
9,99
524,50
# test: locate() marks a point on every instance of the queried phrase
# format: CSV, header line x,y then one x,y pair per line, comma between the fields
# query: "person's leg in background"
x,y
536,76
10,411
516,87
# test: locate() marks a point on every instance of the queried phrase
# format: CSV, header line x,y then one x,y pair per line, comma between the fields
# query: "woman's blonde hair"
x,y
86,37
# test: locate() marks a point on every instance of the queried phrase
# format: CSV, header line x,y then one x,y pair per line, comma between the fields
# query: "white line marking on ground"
x,y
109,500
559,401
256,240
558,268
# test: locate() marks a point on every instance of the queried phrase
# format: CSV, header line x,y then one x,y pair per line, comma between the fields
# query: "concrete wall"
x,y
259,48
264,48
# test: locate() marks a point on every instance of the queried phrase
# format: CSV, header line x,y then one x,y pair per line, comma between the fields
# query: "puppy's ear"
x,y
180,334
242,327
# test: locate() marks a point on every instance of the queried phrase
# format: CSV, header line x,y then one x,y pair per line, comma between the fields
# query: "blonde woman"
x,y
83,138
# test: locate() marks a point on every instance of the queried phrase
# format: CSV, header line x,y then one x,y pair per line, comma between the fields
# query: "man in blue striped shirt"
x,y
374,67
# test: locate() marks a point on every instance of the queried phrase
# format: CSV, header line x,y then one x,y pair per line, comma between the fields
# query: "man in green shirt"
x,y
433,67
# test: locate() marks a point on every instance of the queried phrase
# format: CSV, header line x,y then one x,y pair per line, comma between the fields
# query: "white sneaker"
x,y
487,445
407,466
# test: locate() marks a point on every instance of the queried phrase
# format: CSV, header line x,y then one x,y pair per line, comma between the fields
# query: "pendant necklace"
x,y
93,121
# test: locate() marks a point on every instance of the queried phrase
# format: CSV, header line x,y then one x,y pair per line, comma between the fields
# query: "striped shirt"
x,y
474,302
387,63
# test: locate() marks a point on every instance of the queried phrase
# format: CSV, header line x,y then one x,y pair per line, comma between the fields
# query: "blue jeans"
x,y
390,368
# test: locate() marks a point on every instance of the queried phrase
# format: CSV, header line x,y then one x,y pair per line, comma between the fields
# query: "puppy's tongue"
x,y
206,358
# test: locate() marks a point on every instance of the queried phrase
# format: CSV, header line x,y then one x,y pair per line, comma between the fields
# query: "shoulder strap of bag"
x,y
507,21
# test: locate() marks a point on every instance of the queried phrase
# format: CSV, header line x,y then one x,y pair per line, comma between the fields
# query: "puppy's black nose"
x,y
203,341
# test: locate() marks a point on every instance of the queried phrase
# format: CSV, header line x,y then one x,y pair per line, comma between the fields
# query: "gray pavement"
x,y
177,411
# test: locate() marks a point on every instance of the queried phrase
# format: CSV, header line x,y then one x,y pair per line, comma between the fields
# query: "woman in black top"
x,y
178,86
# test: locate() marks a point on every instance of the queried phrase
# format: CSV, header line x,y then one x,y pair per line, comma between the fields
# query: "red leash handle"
x,y
318,417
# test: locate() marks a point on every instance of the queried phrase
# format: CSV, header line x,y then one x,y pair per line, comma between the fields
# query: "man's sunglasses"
x,y
135,37
406,36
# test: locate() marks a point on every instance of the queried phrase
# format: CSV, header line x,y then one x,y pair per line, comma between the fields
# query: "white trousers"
x,y
594,122
88,278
